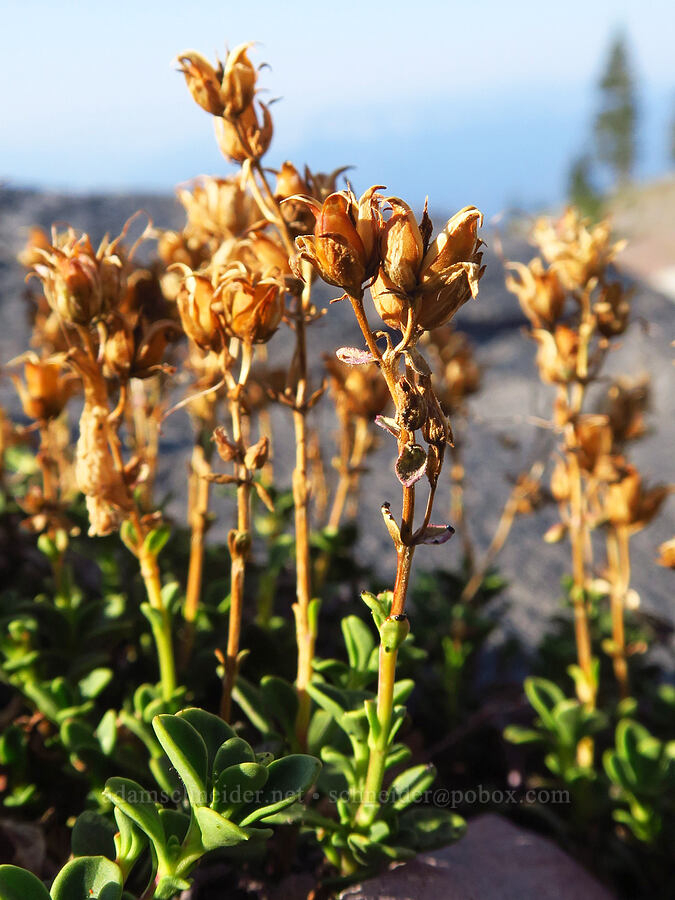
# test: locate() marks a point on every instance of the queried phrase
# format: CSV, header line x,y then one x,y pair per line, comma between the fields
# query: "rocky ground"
x,y
501,438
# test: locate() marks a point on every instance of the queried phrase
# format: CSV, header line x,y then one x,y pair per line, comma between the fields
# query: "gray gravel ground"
x,y
511,394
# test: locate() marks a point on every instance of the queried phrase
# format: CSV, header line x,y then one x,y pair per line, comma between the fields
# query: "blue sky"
x,y
472,103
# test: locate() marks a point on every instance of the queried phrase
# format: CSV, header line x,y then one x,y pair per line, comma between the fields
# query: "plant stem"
x,y
578,544
379,747
372,789
199,492
161,626
305,632
239,544
618,556
305,629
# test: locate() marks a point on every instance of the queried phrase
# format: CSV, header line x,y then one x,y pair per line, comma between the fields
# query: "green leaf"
x,y
213,730
156,540
238,786
232,752
88,877
402,690
280,696
250,700
94,682
93,835
343,763
106,731
409,786
543,695
515,734
568,716
175,824
187,751
376,607
19,884
288,779
130,841
136,803
359,642
424,828
217,831
168,886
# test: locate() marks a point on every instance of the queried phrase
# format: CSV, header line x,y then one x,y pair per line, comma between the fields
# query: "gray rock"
x,y
501,438
496,860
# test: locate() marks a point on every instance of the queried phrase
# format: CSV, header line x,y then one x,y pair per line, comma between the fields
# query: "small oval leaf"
x,y
411,464
353,356
90,877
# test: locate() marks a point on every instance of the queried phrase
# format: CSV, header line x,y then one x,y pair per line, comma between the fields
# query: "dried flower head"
x,y
446,275
216,208
251,304
667,554
80,284
260,252
628,503
625,404
557,354
290,184
135,352
539,291
249,138
46,388
220,90
579,250
195,302
344,246
612,309
593,437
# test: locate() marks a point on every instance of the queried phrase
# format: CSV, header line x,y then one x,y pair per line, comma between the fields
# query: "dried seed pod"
x,y
401,247
250,138
106,493
195,305
628,503
343,247
411,406
450,271
257,455
227,449
252,305
46,389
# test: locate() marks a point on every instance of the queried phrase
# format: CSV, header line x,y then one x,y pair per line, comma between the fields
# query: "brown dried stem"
x,y
618,556
199,490
239,540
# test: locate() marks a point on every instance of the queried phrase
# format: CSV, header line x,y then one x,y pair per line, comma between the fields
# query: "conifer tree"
x,y
615,125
